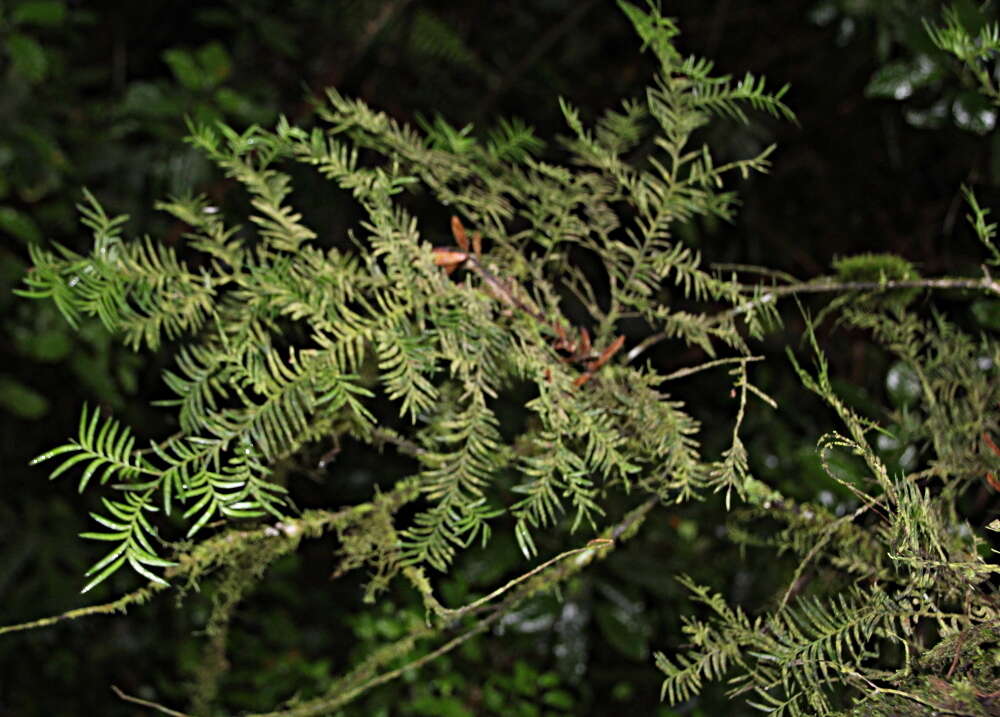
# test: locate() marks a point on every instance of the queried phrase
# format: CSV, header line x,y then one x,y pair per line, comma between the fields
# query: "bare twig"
x,y
147,703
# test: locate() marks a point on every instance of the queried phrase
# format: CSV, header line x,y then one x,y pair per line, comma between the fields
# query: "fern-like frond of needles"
x,y
659,434
976,52
140,290
791,660
715,647
555,473
406,362
108,446
127,526
958,392
200,383
817,642
293,392
239,490
466,453
106,449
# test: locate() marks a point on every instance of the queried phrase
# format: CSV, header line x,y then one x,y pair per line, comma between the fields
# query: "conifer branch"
x,y
283,341
770,295
220,549
551,573
137,597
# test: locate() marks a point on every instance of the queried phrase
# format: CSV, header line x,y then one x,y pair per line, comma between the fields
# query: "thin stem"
x,y
455,613
147,703
751,269
358,681
986,283
136,597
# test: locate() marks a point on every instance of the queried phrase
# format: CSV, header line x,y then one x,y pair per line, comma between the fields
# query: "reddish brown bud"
x,y
458,231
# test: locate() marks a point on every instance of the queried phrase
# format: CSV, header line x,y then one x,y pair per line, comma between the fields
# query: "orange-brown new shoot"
x,y
584,342
610,351
990,478
458,231
449,258
593,366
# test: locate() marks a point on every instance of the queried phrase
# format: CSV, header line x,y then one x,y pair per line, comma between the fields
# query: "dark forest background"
x,y
95,95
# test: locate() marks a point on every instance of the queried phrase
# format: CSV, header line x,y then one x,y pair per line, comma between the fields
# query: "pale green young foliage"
x,y
985,230
975,51
281,341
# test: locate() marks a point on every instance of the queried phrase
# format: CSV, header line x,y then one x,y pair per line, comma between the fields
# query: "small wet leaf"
x,y
902,384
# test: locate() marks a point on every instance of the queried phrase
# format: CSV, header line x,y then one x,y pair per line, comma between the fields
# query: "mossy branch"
x,y
224,548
